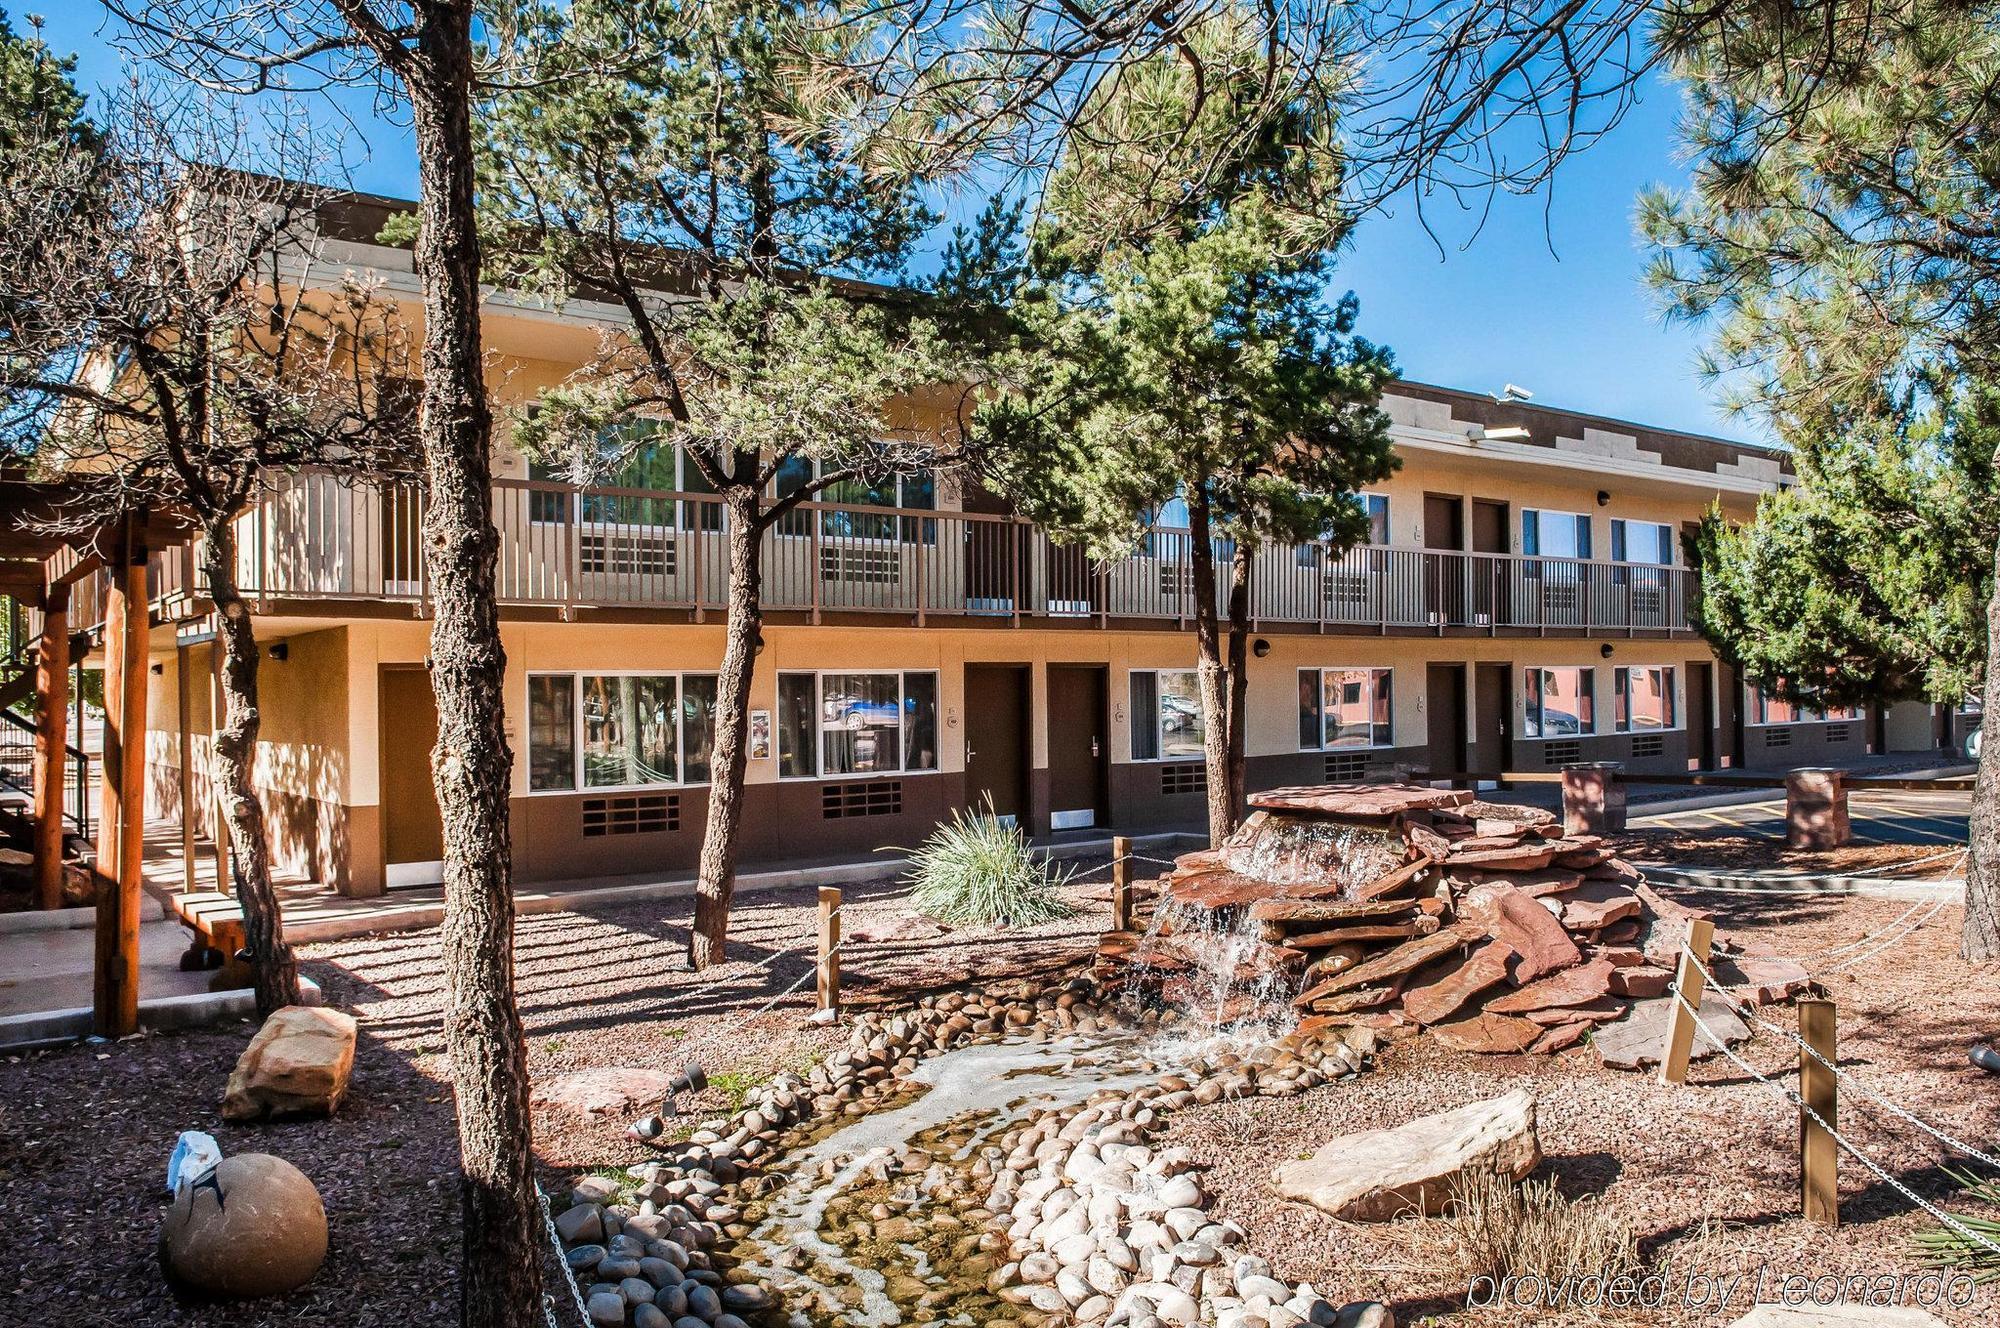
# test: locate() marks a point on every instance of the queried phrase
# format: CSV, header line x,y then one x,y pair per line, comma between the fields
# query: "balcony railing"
x,y
320,538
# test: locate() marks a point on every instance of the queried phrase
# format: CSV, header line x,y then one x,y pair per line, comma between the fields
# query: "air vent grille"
x,y
1777,737
1649,744
637,814
1343,767
878,797
1839,732
1562,753
1183,777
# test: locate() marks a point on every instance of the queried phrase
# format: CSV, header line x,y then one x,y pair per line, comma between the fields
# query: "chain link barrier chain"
x,y
562,1268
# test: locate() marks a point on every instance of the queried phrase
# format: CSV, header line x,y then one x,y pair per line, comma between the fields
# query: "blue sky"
x,y
1546,295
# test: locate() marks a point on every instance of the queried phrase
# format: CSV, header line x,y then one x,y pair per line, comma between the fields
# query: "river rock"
x,y
1640,1038
606,1309
297,1065
1375,1175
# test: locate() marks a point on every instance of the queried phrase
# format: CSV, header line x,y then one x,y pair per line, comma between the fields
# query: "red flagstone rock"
x,y
1370,801
1580,859
1374,931
1428,842
1600,1011
1641,983
1329,910
1538,940
1361,998
1544,881
1220,889
1405,958
1405,878
1517,813
1521,857
1437,1000
1596,905
1614,869
1574,986
1561,1038
1489,1034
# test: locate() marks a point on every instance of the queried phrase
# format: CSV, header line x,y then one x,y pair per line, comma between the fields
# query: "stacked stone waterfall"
x,y
1393,906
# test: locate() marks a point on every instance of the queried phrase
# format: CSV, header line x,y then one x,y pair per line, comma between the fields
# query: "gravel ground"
x,y
1706,1174
84,1131
1743,851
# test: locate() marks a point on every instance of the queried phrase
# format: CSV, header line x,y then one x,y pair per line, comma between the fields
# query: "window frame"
x,y
902,769
1159,716
1531,518
1621,542
1372,670
1621,698
577,786
1534,711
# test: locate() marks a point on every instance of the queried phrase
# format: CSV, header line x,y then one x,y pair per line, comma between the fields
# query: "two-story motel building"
x,y
1522,603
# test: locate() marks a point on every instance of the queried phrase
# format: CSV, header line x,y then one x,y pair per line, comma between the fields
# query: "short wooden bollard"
x,y
1819,1154
1121,883
1690,982
829,948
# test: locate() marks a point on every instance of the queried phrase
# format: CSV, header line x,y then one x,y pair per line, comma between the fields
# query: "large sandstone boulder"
x,y
1377,1175
297,1065
253,1226
1838,1316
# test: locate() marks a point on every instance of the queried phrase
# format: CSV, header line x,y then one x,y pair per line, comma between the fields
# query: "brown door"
x,y
412,831
1493,700
1729,701
1491,577
1701,714
995,552
1444,573
1079,745
996,738
1444,708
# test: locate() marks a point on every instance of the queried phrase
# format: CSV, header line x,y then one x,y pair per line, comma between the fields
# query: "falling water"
x,y
1295,850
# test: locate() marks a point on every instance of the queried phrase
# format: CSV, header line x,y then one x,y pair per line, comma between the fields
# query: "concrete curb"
x,y
554,899
1773,883
69,919
162,1014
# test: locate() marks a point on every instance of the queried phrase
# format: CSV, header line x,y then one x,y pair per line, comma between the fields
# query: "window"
x,y
918,492
1375,507
856,723
1768,709
619,730
655,466
1554,534
1644,699
1561,703
1344,708
1641,542
1166,715
1842,713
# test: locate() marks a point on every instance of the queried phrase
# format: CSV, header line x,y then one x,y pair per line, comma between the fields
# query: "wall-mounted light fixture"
x,y
282,651
159,668
1603,497
1260,647
1605,650
1512,433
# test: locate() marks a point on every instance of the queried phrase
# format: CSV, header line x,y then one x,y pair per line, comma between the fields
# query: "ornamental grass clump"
x,y
1532,1230
1954,1248
976,871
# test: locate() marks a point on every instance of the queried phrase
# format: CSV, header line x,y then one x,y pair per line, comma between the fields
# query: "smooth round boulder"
x,y
253,1226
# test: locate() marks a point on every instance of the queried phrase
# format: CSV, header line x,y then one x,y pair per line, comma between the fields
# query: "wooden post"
x,y
51,742
184,709
829,948
1819,1155
1690,983
224,879
116,1011
1121,883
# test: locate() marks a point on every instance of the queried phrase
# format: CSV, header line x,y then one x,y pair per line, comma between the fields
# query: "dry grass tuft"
x,y
1531,1229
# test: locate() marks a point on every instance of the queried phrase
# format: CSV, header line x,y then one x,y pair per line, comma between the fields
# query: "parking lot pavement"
x,y
1882,817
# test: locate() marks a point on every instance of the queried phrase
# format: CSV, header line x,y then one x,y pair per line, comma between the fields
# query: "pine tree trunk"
x,y
503,1252
233,750
1208,647
716,882
1980,940
1239,677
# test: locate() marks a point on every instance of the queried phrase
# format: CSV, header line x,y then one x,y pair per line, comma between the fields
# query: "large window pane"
x,y
920,721
860,722
861,493
1645,699
551,731
1181,726
1555,534
628,731
697,727
1561,703
1357,707
796,703
1145,716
